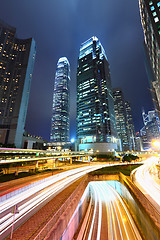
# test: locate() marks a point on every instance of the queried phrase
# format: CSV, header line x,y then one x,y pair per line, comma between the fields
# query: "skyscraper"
x,y
121,118
95,107
130,126
60,110
150,130
17,57
150,19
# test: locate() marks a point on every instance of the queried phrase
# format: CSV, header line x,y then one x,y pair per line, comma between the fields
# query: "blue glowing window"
x,y
158,4
154,14
152,8
150,3
156,19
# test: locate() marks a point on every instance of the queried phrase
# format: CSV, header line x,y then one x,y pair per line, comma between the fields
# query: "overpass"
x,y
50,157
141,154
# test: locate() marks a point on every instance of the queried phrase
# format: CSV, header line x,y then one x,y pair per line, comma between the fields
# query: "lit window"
x,y
154,14
150,3
152,8
156,19
158,4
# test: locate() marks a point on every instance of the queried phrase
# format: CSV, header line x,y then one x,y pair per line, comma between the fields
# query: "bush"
x,y
104,156
129,158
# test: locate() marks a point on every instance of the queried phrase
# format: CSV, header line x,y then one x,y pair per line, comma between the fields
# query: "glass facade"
x,y
150,19
95,107
121,118
17,57
60,110
130,126
150,131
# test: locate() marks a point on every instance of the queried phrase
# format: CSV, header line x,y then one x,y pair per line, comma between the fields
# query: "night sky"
x,y
59,27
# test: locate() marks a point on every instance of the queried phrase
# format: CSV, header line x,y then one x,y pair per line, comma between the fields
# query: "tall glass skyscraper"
x,y
17,57
60,111
150,18
130,124
95,106
121,118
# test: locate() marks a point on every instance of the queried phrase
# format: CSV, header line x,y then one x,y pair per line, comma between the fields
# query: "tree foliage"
x,y
129,158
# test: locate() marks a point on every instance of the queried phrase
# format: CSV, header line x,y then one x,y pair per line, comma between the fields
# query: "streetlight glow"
x,y
156,143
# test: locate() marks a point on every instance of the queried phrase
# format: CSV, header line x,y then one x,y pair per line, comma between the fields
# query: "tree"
x,y
126,158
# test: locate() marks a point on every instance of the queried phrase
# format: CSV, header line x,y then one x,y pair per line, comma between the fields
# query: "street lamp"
x,y
156,144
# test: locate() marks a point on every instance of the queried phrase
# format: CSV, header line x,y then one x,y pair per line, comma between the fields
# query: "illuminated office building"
x,y
150,18
121,118
150,130
130,126
95,107
17,57
60,110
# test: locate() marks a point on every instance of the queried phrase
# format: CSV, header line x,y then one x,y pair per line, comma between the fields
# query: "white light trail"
x,y
30,200
120,221
145,179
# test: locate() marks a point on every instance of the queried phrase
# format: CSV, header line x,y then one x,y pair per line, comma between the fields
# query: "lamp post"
x,y
15,210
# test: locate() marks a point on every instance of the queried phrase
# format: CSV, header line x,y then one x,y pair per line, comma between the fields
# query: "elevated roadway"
x,y
147,180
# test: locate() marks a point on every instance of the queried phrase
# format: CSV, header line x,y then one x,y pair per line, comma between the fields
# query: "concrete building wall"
x,y
98,147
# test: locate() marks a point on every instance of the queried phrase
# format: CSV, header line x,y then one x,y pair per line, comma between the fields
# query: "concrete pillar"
x,y
54,164
36,164
70,160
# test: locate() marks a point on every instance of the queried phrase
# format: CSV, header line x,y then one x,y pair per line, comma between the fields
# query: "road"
x,y
110,218
32,199
146,178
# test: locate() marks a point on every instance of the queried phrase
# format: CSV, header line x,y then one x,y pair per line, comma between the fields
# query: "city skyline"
x,y
123,45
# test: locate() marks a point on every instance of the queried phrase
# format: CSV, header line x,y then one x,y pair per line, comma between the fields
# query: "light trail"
x,y
146,179
31,200
120,223
99,217
94,215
